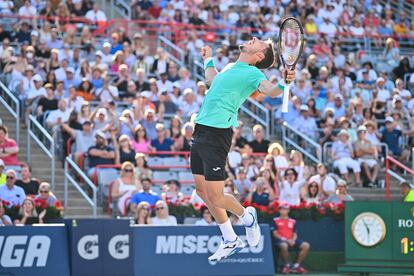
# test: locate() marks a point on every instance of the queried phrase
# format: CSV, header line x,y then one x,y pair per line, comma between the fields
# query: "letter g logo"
x,y
88,247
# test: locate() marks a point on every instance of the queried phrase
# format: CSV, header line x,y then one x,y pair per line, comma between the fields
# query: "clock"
x,y
368,229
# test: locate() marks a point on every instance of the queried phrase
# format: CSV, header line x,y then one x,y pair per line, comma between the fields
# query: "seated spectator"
x,y
183,143
248,164
141,143
259,144
146,194
5,220
8,147
241,142
27,183
284,232
121,81
342,154
86,88
407,191
108,92
164,105
47,103
84,139
188,105
261,193
230,188
326,183
367,155
11,193
58,116
270,177
312,193
243,184
280,160
344,124
172,193
305,123
123,150
290,188
391,137
28,215
149,123
2,175
95,15
100,153
162,216
142,169
142,214
207,219
125,186
74,102
296,162
161,143
341,194
46,195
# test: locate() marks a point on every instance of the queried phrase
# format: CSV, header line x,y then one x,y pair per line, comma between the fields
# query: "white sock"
x,y
227,231
247,218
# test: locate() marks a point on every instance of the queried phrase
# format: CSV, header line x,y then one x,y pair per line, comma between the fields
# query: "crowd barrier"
x,y
114,247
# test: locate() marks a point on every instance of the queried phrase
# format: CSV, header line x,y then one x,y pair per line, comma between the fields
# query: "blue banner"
x,y
101,248
34,251
183,250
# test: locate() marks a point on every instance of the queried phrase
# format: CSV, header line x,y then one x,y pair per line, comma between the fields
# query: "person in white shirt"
x,y
185,79
325,182
164,84
356,28
340,82
207,218
188,104
108,92
290,188
306,124
220,60
96,15
27,10
74,101
6,6
327,27
11,193
37,91
162,217
60,115
383,94
106,53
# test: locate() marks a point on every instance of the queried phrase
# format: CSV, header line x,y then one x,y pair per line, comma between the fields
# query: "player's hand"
x,y
290,75
206,52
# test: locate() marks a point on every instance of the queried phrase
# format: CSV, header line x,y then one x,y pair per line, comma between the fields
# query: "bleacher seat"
x,y
156,189
155,161
185,176
164,176
105,177
187,190
16,168
175,161
190,221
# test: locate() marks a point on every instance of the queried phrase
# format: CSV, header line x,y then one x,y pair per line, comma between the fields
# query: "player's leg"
x,y
303,250
284,253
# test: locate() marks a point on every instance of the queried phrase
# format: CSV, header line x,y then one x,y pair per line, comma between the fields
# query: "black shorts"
x,y
209,151
296,246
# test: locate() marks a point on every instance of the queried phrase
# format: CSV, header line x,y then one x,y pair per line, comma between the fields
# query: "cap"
x,y
99,53
37,77
225,43
188,91
304,107
362,128
380,79
100,134
137,36
242,170
34,33
48,85
146,94
54,50
338,96
343,119
70,70
341,183
101,111
123,66
29,68
201,83
106,44
284,206
176,84
389,119
343,132
403,183
1,163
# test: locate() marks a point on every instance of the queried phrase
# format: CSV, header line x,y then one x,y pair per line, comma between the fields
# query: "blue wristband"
x,y
209,62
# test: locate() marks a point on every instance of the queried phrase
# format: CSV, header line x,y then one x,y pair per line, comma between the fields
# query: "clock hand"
x,y
366,226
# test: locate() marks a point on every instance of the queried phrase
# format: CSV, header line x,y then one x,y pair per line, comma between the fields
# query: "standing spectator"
x,y
140,142
27,10
261,193
162,216
8,147
407,191
46,195
172,194
95,15
123,150
125,186
2,175
296,162
58,116
28,214
306,124
142,170
284,231
326,183
312,193
27,183
108,92
278,153
342,154
290,188
146,194
259,144
341,194
391,136
161,143
84,139
101,153
142,214
207,219
5,220
149,123
10,192
243,184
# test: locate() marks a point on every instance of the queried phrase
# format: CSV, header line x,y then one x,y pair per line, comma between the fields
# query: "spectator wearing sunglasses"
x,y
207,219
290,188
142,213
46,195
10,192
162,216
312,193
262,193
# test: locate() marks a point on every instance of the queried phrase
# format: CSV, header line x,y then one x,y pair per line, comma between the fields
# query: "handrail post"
x,y
28,146
387,179
284,135
65,185
95,203
18,122
268,126
52,160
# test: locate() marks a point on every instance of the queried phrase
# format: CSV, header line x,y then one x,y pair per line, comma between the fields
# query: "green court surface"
x,y
345,274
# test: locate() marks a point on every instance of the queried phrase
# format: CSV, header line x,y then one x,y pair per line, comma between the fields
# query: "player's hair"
x,y
269,58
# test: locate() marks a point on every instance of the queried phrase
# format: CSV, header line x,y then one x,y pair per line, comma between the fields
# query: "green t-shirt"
x,y
2,179
409,197
229,89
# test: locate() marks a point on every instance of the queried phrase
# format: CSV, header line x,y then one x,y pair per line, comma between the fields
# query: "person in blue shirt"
x,y
391,136
116,44
261,194
146,194
161,143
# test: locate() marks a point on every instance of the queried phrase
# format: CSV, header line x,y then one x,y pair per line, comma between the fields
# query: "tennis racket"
x,y
290,44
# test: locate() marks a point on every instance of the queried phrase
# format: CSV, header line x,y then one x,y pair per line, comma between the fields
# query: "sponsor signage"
x,y
34,251
184,251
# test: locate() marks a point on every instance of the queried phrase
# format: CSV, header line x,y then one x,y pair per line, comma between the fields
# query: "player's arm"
x,y
210,70
275,90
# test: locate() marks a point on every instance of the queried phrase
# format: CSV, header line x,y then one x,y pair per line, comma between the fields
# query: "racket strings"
x,y
291,41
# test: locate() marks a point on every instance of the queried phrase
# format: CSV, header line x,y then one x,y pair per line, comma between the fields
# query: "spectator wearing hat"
x,y
10,192
70,79
100,153
284,233
121,81
95,15
345,124
2,175
383,94
306,124
188,105
337,106
201,92
327,27
220,60
342,154
391,136
8,147
34,94
162,143
341,194
26,182
26,83
367,155
407,191
106,55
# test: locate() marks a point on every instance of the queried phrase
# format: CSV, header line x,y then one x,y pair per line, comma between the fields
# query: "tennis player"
x,y
213,135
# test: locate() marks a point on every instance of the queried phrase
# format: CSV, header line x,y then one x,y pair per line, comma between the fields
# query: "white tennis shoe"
x,y
227,249
253,232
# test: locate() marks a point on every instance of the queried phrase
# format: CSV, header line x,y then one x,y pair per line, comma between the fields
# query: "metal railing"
x,y
68,177
174,52
388,172
34,131
197,70
12,104
122,7
301,142
258,113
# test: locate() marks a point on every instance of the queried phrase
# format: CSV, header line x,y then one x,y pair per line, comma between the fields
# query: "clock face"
x,y
368,229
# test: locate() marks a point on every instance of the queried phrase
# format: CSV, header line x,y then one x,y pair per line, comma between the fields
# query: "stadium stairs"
x,y
40,163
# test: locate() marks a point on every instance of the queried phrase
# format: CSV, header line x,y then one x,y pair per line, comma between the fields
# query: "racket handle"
x,y
285,102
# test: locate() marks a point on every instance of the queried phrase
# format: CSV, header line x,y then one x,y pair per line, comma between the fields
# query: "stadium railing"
x,y
12,105
292,138
44,140
174,52
122,7
389,172
258,113
70,165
